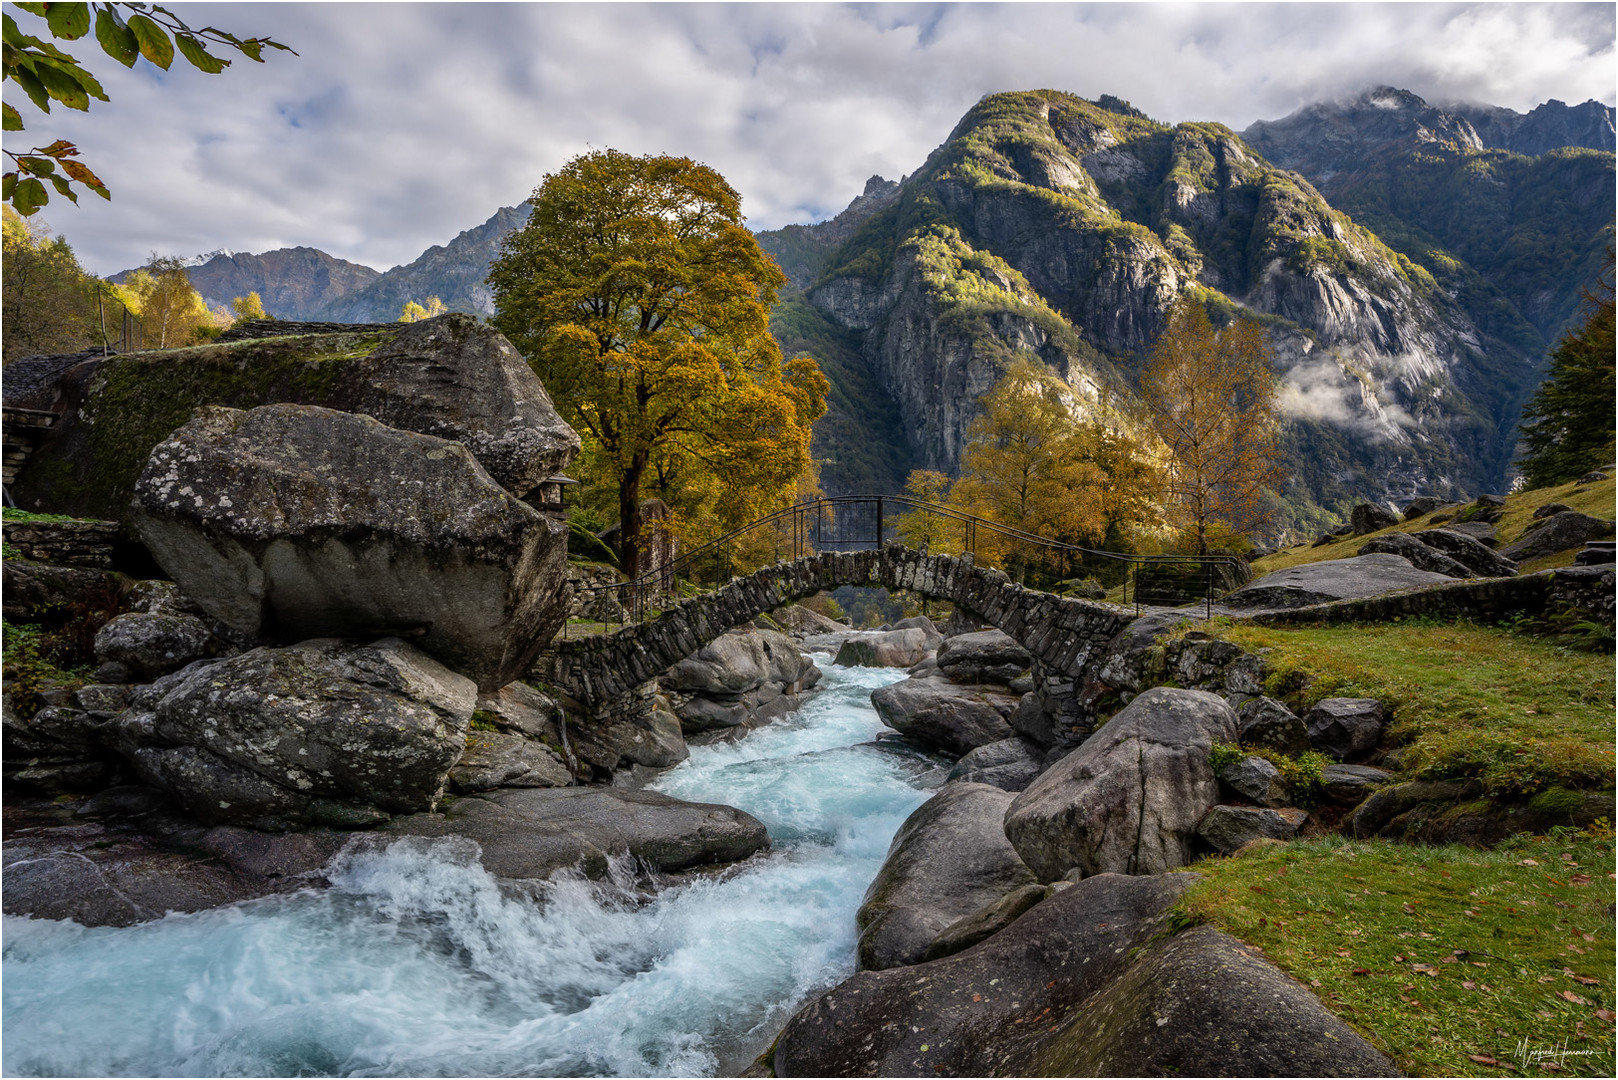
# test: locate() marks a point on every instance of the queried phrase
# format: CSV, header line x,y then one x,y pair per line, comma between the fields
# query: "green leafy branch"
x,y
126,32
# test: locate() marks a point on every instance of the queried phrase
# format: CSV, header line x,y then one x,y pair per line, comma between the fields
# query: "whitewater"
x,y
417,962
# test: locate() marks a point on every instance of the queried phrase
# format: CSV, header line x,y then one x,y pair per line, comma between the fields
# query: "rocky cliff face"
x,y
1052,227
454,273
1542,129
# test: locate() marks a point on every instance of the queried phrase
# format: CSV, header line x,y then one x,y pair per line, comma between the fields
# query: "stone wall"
x,y
1065,635
1485,598
65,543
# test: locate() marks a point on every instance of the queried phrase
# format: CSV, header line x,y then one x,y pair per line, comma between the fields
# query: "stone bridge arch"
x,y
1065,635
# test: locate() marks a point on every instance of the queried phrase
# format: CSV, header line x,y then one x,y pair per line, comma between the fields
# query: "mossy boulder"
x,y
449,377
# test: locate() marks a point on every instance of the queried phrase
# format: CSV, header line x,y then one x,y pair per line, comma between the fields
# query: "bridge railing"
x,y
864,522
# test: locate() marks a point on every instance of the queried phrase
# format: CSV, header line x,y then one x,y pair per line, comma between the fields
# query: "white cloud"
x,y
401,124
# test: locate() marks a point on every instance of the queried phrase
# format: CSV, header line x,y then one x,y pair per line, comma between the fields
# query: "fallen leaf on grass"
x,y
1398,959
1424,969
1448,960
1585,979
1360,971
1580,879
1605,1014
1568,995
1343,952
1530,862
1469,986
1482,1059
1547,978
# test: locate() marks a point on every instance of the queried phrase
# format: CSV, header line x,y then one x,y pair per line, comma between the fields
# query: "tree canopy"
x,y
126,32
170,311
49,301
1568,425
1211,397
642,303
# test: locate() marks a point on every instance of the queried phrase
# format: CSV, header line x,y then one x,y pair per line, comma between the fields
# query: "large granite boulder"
x,y
988,656
1558,532
1469,552
743,678
1420,555
949,859
884,648
1256,779
461,380
802,621
944,715
1129,799
322,732
614,739
1113,995
533,832
449,377
292,522
1334,579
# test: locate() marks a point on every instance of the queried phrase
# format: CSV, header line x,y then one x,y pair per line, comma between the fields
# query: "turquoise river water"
x,y
416,963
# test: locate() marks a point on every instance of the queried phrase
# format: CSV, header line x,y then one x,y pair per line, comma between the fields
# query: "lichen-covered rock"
x,y
31,587
943,715
298,522
1129,799
1266,722
1227,828
988,656
949,859
1468,552
1345,728
1420,505
1420,555
150,645
322,732
649,736
740,660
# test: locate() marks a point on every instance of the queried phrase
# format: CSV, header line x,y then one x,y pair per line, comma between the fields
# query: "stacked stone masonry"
x,y
65,543
1066,636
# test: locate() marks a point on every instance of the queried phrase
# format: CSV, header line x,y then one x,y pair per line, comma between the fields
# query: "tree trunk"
x,y
629,523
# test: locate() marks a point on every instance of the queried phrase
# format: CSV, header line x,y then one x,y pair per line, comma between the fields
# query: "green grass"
x,y
1519,712
1455,961
11,513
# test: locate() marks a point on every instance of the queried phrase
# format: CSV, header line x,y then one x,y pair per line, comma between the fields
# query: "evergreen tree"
x,y
1568,424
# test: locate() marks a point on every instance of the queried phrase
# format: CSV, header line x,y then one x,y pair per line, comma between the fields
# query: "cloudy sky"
x,y
399,125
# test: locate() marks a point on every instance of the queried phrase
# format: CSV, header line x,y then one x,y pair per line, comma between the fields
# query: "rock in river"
x,y
949,859
296,522
1113,997
1129,799
944,715
323,732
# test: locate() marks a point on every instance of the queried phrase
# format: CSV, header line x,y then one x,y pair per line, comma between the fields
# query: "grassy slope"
x,y
1520,713
1456,962
1595,499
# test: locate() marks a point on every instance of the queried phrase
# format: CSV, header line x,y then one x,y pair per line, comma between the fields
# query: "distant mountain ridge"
x,y
293,283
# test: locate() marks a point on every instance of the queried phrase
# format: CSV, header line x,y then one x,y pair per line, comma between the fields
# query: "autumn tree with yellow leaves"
x,y
642,303
1211,398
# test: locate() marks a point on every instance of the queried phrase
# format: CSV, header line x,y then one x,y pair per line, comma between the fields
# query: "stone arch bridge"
x,y
1066,636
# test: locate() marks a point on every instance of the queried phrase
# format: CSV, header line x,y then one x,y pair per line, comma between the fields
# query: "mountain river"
x,y
415,961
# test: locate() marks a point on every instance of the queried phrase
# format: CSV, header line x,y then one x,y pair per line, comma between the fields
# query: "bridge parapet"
x,y
1066,635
